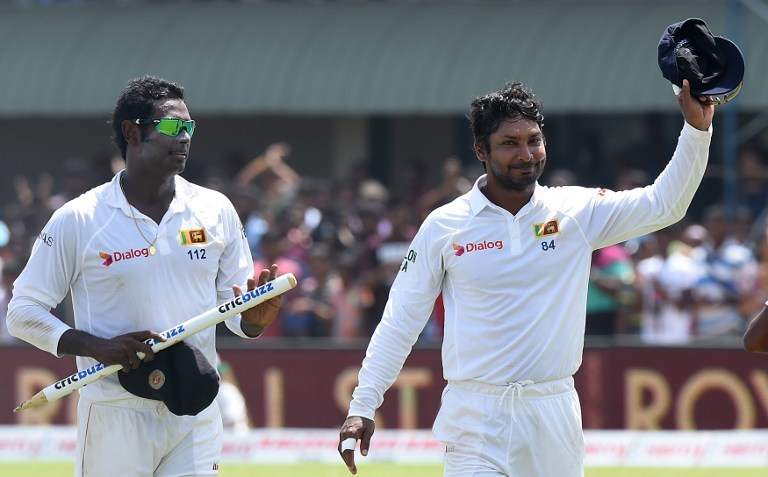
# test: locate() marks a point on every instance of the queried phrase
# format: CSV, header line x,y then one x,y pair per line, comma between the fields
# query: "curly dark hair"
x,y
513,101
137,101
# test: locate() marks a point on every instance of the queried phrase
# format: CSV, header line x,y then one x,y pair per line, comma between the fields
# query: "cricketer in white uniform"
x,y
128,270
512,260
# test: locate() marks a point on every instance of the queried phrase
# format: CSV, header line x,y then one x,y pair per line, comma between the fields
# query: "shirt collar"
x,y
116,198
478,201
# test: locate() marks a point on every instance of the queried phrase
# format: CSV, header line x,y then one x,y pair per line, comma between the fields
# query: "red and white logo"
x,y
114,257
460,250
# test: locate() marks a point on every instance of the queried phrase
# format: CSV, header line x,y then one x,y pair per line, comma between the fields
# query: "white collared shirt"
x,y
92,246
515,286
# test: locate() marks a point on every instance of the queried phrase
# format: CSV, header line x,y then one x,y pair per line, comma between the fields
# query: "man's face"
x,y
164,153
516,155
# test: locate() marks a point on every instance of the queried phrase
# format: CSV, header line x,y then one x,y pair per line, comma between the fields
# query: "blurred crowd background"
x,y
335,127
344,239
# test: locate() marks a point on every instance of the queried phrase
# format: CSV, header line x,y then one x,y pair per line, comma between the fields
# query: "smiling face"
x,y
515,155
158,153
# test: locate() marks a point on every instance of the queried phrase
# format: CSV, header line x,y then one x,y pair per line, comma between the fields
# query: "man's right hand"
x,y
121,349
358,428
698,112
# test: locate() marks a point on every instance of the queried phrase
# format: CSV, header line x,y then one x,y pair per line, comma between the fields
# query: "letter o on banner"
x,y
720,379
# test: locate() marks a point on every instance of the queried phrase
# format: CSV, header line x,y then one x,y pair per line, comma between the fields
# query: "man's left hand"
x,y
262,315
698,112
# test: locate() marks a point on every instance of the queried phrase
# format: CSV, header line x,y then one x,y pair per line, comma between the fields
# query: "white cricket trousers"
x,y
136,437
518,430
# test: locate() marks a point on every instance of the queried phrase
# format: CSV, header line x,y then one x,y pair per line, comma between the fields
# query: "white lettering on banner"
x,y
264,446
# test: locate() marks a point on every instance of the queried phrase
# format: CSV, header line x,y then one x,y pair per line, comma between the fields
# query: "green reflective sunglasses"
x,y
170,126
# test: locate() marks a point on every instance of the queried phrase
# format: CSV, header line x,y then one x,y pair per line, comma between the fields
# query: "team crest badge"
x,y
156,379
547,228
193,236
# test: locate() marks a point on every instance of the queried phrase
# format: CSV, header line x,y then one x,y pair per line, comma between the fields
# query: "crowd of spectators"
x,y
345,240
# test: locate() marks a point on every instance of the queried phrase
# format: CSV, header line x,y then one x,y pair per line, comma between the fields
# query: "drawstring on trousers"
x,y
516,388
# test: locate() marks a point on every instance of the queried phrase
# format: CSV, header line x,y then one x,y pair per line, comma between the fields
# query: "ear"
x,y
131,132
480,152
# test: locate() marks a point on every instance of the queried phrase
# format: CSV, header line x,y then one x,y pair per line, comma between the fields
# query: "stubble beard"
x,y
518,185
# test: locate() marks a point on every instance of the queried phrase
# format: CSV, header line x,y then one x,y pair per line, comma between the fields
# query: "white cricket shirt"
x,y
515,286
92,247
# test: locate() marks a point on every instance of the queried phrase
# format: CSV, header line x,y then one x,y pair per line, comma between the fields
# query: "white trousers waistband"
x,y
521,388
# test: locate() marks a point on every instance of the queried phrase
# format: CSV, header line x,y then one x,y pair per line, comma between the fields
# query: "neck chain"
x,y
152,249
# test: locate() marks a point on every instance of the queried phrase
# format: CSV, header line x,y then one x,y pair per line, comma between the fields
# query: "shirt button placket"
x,y
513,230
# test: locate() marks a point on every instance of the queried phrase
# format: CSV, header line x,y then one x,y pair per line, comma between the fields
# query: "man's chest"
x,y
183,248
499,253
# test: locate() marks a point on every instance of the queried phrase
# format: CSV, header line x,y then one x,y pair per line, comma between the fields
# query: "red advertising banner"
x,y
620,388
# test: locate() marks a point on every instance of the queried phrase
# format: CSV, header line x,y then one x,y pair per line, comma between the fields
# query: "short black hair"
x,y
513,101
137,101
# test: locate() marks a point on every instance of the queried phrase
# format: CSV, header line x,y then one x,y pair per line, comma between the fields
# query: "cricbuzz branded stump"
x,y
178,333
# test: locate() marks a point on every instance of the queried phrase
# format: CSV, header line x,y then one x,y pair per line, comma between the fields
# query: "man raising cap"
x,y
514,311
145,251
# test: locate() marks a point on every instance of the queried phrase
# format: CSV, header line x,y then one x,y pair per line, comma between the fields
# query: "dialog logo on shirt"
x,y
114,257
192,236
470,247
547,228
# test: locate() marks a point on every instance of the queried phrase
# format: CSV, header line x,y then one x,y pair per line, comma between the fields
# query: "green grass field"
x,y
376,470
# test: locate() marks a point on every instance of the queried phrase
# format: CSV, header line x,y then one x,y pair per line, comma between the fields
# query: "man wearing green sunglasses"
x,y
145,251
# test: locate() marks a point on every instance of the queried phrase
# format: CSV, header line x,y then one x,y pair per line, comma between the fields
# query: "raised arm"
x,y
617,216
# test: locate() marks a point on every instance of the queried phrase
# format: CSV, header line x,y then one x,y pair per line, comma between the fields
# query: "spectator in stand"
x,y
730,277
349,299
281,182
255,219
675,281
310,311
753,180
272,249
610,291
649,260
452,186
76,178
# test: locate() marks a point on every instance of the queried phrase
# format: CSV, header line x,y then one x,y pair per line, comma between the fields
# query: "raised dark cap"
x,y
712,64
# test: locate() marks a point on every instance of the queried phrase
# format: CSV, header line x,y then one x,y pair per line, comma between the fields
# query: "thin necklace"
x,y
152,249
